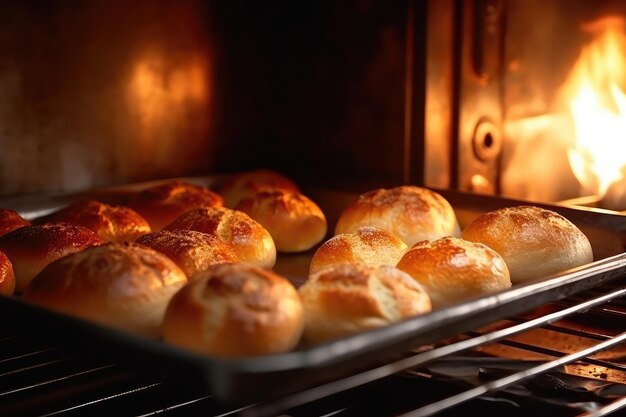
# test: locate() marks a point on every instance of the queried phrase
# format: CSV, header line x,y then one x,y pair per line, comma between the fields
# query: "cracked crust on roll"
x,y
452,269
112,223
123,285
294,221
193,252
369,246
341,300
235,310
411,213
162,204
250,241
249,184
533,241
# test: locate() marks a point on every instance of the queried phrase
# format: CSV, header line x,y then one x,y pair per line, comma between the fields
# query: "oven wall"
x,y
99,93
95,93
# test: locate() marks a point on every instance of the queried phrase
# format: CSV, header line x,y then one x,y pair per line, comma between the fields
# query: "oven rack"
x,y
41,377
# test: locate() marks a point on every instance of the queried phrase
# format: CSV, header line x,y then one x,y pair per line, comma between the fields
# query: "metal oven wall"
x,y
98,93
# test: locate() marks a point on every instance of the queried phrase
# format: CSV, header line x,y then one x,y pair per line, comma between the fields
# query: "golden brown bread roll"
x,y
192,251
11,220
112,223
341,300
534,242
369,246
295,222
250,241
453,269
31,248
412,213
123,285
235,310
7,277
161,204
248,184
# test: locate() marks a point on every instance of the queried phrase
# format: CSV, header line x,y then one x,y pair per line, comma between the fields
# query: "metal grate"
x,y
38,377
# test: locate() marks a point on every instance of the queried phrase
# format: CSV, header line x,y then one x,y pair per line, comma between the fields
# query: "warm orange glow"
x,y
159,88
594,93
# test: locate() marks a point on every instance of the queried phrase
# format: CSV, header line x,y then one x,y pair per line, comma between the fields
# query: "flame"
x,y
598,107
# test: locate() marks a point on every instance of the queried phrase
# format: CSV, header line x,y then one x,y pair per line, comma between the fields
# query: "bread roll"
x,y
341,300
123,285
411,213
369,246
250,241
295,222
31,248
453,269
7,278
11,220
249,184
112,223
192,251
161,204
235,310
534,242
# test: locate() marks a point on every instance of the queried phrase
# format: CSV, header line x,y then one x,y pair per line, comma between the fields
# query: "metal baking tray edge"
x,y
242,381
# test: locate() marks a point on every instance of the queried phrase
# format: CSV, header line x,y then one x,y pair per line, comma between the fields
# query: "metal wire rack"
x,y
38,377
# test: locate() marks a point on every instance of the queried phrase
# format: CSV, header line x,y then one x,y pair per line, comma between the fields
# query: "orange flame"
x,y
597,104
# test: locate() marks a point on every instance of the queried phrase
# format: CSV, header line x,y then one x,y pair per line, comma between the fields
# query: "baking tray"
x,y
246,380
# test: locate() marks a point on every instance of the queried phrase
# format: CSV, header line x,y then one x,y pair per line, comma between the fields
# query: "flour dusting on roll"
x,y
452,269
369,246
250,241
193,252
412,213
533,241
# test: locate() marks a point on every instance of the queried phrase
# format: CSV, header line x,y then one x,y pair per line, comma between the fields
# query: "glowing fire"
x,y
597,104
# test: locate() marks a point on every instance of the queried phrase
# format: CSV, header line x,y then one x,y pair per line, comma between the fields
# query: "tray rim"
x,y
224,376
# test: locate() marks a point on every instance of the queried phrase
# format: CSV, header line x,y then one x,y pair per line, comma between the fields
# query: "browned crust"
x,y
52,240
112,223
11,220
344,299
31,248
235,310
249,240
248,184
7,278
368,245
123,285
452,269
533,241
412,213
294,221
193,251
163,203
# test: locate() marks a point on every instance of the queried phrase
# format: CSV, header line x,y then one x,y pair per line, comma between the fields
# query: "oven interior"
x,y
473,98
